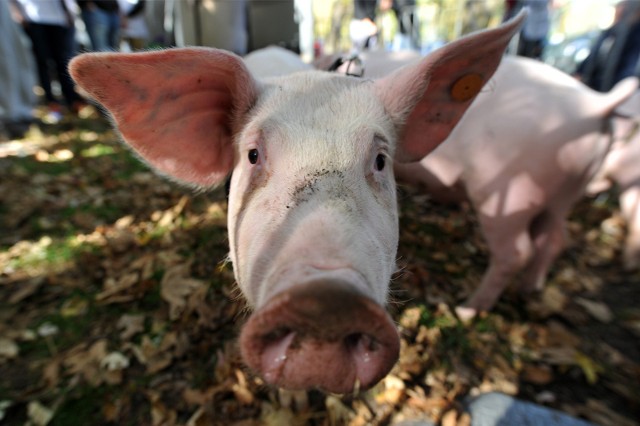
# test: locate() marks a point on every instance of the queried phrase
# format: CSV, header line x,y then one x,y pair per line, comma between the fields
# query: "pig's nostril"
x,y
362,347
351,341
277,334
361,342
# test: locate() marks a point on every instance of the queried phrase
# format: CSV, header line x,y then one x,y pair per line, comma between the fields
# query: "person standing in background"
x,y
49,25
363,29
408,36
17,79
615,54
134,26
533,36
102,19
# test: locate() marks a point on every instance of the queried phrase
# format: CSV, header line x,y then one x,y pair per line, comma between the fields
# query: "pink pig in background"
x,y
312,222
622,168
522,155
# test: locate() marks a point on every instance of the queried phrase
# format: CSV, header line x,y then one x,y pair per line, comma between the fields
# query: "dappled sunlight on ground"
x,y
116,305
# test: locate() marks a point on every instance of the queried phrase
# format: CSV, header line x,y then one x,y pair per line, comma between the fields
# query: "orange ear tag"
x,y
466,87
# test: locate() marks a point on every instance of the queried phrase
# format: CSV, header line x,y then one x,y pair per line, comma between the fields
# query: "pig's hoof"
x,y
465,313
323,335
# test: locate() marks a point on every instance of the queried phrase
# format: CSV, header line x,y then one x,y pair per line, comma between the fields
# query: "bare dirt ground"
x,y
116,306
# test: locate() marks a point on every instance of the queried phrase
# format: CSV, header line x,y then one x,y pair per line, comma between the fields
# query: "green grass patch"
x,y
83,407
47,254
30,165
455,339
71,330
128,165
152,299
98,150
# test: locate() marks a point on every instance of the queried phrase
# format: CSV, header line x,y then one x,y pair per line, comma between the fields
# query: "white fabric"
x,y
48,12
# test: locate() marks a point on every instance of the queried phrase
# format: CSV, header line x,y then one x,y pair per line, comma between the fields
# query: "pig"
x,y
622,168
274,61
312,211
522,155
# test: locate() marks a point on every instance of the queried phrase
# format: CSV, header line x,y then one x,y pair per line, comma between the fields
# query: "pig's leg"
x,y
549,239
630,206
511,249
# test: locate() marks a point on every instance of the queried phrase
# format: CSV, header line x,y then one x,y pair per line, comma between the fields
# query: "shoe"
x,y
55,113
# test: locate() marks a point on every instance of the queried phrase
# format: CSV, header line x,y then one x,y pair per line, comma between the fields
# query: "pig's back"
x,y
274,61
529,122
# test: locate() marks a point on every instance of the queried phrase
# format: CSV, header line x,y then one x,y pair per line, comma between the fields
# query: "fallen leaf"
x,y
4,404
39,414
51,373
589,367
158,356
130,325
394,390
278,417
74,307
242,393
114,361
86,362
597,310
198,397
47,329
293,399
552,301
112,410
537,374
8,348
176,287
559,335
464,419
26,289
337,411
113,288
160,414
199,418
564,355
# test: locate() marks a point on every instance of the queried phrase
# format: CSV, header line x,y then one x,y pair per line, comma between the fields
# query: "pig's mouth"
x,y
321,334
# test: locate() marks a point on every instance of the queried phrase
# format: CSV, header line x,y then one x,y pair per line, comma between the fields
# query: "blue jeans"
x,y
103,29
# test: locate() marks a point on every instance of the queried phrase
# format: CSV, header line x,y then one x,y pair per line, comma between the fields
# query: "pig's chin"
x,y
321,334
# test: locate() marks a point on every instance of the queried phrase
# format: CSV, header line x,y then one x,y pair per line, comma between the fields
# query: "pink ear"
x,y
177,108
428,99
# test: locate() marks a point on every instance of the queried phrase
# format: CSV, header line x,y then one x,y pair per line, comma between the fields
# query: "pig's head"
x,y
313,223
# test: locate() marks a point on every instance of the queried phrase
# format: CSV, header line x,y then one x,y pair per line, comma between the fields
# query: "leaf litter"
x,y
117,307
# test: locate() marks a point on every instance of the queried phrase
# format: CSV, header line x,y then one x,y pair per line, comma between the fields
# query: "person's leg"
x,y
39,44
89,19
62,49
113,35
17,76
100,30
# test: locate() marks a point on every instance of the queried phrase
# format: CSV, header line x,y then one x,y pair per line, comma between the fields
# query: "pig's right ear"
x,y
426,100
177,108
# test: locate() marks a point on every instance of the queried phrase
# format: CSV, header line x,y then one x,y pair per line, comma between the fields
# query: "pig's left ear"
x,y
427,99
177,108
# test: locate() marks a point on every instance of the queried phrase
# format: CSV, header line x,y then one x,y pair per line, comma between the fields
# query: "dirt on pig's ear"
x,y
426,100
177,108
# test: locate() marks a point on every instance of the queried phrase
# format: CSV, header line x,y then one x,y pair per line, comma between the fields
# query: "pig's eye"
x,y
253,156
380,162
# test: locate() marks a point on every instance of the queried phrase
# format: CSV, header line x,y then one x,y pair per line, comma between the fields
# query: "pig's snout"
x,y
322,334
